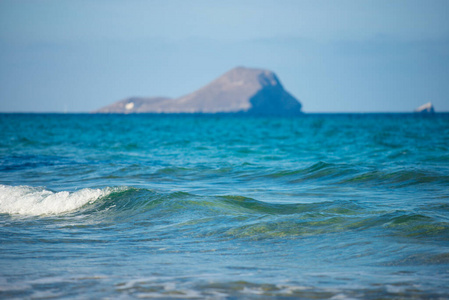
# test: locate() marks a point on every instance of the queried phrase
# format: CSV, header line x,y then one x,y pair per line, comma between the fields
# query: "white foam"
x,y
26,200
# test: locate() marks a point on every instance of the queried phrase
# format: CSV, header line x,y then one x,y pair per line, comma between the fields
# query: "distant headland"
x,y
238,91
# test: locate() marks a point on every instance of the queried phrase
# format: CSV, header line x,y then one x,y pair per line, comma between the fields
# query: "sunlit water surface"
x,y
135,206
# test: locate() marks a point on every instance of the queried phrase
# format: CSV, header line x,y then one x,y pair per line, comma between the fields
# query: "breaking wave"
x,y
220,216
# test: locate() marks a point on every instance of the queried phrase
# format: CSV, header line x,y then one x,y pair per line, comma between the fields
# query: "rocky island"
x,y
425,109
240,91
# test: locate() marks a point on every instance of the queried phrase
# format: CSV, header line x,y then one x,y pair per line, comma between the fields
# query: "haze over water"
x,y
334,56
133,206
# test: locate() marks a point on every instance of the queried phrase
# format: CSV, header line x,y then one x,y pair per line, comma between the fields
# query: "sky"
x,y
334,56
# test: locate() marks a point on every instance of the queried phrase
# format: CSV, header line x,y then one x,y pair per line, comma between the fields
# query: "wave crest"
x,y
35,201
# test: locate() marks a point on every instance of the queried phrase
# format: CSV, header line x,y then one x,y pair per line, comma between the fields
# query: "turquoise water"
x,y
135,206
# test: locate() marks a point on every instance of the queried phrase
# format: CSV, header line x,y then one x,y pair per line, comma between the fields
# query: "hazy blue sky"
x,y
335,56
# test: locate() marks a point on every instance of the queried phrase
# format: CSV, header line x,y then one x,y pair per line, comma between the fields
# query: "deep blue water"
x,y
135,206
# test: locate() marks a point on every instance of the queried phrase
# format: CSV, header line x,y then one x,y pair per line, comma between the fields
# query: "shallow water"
x,y
132,206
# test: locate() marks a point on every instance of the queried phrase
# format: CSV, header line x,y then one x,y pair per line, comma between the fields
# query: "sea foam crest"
x,y
26,200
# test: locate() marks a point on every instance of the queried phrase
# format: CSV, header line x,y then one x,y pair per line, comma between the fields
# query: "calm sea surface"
x,y
135,206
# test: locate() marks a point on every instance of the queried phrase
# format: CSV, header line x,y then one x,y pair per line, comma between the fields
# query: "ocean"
x,y
320,206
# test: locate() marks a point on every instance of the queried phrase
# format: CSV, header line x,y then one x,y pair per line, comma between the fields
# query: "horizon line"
x,y
222,113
